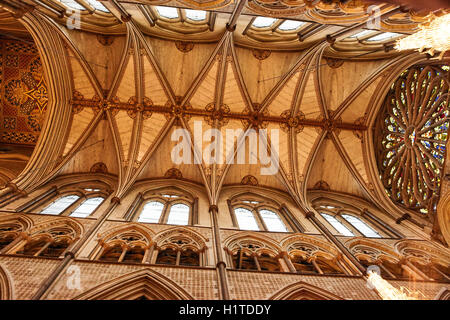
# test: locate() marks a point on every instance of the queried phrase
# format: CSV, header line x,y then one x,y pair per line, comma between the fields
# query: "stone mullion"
x,y
70,209
255,258
288,262
165,212
193,217
154,256
440,272
412,272
416,270
43,248
292,221
313,261
259,220
124,252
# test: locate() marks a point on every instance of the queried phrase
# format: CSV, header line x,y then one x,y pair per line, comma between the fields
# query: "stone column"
x,y
221,265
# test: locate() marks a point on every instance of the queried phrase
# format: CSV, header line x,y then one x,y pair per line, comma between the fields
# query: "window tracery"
x,y
130,246
87,207
75,200
8,233
256,213
51,242
390,266
61,204
181,20
353,224
411,134
180,247
253,254
349,220
310,258
164,206
427,264
271,29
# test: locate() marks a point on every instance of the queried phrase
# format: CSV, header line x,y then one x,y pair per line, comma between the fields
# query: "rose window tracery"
x,y
411,136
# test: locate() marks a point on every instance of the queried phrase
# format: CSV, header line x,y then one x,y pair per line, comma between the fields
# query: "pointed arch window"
x,y
257,213
179,214
58,206
342,229
361,226
87,207
166,205
246,219
151,212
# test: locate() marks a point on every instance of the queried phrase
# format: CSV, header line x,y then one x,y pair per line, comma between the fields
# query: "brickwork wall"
x,y
258,285
27,274
428,289
200,283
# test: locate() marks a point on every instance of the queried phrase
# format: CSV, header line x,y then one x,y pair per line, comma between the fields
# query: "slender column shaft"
x,y
221,265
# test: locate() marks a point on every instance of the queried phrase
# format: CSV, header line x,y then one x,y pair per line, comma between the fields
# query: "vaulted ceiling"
x,y
133,83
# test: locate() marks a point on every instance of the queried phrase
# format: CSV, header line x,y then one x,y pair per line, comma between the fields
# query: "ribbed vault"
x,y
128,90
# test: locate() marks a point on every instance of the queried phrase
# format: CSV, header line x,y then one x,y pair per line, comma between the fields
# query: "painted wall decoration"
x,y
23,92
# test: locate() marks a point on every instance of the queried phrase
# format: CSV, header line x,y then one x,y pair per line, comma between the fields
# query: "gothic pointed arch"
x,y
72,228
303,291
143,283
422,251
291,240
191,239
259,243
372,249
143,233
21,220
